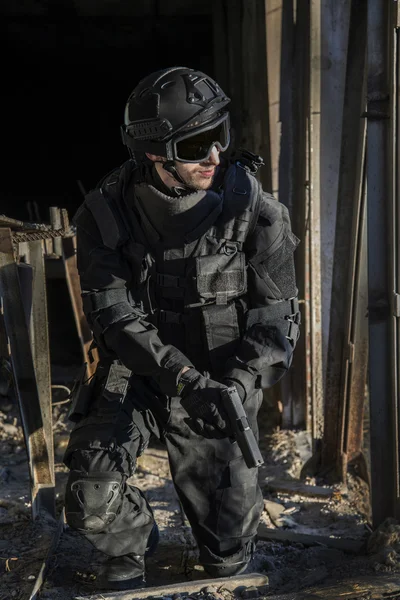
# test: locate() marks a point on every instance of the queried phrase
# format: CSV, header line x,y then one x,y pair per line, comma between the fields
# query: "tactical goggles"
x,y
188,146
197,146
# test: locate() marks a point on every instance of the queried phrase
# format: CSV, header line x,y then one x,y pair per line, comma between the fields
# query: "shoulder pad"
x,y
103,203
83,219
271,209
106,214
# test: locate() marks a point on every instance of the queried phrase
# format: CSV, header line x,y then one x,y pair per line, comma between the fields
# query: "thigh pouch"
x,y
110,423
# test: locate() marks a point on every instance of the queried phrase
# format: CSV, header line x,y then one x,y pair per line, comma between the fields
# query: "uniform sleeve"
x,y
119,325
272,318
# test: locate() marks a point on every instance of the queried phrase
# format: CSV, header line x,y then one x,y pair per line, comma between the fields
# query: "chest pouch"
x,y
221,277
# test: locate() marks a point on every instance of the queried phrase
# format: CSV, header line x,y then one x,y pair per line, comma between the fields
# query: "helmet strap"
x,y
169,166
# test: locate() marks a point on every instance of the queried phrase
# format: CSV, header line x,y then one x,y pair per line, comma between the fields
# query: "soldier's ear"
x,y
155,157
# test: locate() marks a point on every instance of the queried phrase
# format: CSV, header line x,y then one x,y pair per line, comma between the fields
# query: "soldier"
x,y
188,284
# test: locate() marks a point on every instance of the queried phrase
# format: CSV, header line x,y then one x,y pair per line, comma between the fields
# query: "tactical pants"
x,y
219,494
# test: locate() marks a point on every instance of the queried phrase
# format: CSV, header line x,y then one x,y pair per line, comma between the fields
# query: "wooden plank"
x,y
279,535
190,587
298,487
375,587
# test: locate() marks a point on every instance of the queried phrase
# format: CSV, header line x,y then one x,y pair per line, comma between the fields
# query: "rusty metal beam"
x,y
381,261
26,389
348,335
33,252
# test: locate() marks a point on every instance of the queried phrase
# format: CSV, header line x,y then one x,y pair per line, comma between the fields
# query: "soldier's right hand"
x,y
201,398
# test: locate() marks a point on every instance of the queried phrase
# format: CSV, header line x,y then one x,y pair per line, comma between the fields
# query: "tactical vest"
x,y
194,294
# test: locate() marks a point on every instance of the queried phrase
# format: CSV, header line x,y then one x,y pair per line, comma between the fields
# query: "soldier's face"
x,y
199,175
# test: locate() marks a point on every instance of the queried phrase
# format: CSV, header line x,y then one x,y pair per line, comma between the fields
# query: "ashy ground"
x,y
290,567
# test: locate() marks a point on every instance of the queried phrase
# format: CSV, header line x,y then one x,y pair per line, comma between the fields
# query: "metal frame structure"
x,y
25,338
31,369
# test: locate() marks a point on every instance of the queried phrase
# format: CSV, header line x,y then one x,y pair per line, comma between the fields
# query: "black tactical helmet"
x,y
177,113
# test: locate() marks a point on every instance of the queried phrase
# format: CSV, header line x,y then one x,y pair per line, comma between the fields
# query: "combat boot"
x,y
226,566
127,572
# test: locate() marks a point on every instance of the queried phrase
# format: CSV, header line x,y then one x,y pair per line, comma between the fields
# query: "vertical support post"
x,y
301,368
380,259
74,288
293,396
356,365
395,241
26,389
314,199
273,26
39,335
286,107
56,223
348,356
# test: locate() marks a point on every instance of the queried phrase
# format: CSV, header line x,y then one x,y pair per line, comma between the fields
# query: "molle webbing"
x,y
241,206
103,299
222,235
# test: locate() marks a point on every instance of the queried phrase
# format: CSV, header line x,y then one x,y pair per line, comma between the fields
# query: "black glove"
x,y
201,398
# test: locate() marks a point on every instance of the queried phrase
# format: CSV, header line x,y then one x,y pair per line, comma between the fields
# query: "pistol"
x,y
242,432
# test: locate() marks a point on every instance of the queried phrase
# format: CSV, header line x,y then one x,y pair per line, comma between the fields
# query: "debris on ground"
x,y
291,568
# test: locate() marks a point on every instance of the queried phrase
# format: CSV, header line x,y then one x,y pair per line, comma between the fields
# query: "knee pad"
x,y
92,500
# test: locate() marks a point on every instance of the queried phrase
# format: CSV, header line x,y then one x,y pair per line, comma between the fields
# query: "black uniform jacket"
x,y
122,328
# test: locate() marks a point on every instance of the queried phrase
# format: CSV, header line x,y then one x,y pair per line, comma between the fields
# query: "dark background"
x,y
68,68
